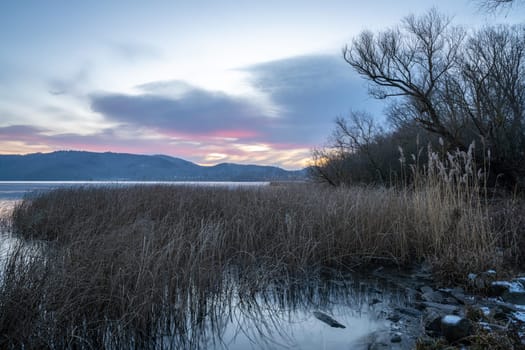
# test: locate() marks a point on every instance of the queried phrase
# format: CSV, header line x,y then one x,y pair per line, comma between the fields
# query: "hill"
x,y
80,165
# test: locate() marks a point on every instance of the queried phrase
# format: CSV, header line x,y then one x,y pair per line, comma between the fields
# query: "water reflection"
x,y
282,315
10,245
7,242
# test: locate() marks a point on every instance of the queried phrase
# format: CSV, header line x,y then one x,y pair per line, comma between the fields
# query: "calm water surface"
x,y
17,189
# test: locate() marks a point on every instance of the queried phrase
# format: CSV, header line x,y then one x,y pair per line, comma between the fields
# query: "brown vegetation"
x,y
125,266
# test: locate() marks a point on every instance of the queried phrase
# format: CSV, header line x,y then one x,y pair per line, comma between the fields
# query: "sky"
x,y
249,82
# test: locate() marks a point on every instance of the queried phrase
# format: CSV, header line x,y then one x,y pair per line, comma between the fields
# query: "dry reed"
x,y
123,267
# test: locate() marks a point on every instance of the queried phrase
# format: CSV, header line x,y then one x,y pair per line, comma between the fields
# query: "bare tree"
x,y
414,61
349,144
328,166
460,87
361,151
357,134
493,5
493,76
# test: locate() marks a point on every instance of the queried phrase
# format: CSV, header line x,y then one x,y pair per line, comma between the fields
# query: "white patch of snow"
x,y
485,326
485,310
490,272
513,287
501,283
451,320
516,287
472,276
519,315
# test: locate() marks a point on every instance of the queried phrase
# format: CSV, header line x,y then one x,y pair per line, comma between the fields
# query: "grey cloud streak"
x,y
314,90
310,90
72,85
135,51
196,111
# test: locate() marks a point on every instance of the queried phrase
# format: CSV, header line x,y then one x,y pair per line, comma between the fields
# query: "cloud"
x,y
21,132
26,139
310,92
135,51
17,139
194,111
72,85
313,90
168,88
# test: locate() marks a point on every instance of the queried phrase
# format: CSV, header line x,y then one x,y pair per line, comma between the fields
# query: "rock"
x,y
483,280
328,319
409,311
453,296
497,288
514,297
502,306
432,322
429,294
452,301
455,328
426,289
511,292
457,290
396,338
519,315
443,308
459,295
521,280
394,318
500,315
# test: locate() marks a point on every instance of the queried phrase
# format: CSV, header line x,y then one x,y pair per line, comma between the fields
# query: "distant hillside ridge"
x,y
109,166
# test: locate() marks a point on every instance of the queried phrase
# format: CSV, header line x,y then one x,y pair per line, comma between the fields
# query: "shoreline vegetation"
x,y
134,266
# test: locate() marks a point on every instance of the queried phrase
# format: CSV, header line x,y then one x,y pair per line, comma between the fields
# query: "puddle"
x,y
286,317
273,327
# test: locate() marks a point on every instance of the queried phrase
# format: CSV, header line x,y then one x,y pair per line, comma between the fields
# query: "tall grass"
x,y
295,227
124,267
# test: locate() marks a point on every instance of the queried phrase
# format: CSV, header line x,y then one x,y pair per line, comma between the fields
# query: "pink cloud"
x,y
206,136
235,144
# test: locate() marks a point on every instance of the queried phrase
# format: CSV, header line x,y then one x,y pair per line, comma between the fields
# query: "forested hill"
x,y
78,165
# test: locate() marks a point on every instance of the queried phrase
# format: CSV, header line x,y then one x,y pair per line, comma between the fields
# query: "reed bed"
x,y
294,227
145,266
